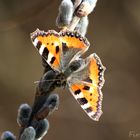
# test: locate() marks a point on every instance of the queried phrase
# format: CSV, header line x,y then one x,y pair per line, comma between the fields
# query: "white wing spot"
x,y
35,42
91,113
80,95
85,106
41,49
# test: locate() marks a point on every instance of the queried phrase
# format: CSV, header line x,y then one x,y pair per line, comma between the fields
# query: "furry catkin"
x,y
65,15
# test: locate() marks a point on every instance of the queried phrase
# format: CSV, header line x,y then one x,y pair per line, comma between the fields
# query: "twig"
x,y
32,120
74,23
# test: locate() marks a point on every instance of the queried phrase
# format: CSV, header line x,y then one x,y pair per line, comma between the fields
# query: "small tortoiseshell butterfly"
x,y
83,77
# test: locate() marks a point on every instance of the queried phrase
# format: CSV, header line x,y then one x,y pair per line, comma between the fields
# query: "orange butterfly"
x,y
83,77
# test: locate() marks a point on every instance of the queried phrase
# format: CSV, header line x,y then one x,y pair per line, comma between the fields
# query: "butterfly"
x,y
83,77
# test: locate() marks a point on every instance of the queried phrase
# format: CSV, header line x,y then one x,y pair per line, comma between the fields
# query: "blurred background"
x,y
114,34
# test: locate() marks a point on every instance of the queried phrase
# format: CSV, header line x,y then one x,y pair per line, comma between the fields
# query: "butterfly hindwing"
x,y
86,88
49,46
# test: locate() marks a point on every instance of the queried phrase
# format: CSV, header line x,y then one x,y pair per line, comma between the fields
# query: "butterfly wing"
x,y
59,49
49,46
73,46
85,85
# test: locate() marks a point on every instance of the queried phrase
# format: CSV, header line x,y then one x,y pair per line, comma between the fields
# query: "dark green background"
x,y
114,34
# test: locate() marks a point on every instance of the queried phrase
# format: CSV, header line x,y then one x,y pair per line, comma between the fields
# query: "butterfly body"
x,y
83,77
60,80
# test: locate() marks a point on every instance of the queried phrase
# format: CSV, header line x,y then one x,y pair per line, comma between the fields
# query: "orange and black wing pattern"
x,y
73,46
59,49
49,46
87,88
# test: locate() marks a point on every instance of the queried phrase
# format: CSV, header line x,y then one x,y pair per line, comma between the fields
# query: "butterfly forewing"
x,y
49,46
87,87
53,45
96,70
88,97
73,46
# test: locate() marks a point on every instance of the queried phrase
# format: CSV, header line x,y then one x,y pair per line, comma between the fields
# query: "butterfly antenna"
x,y
36,82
